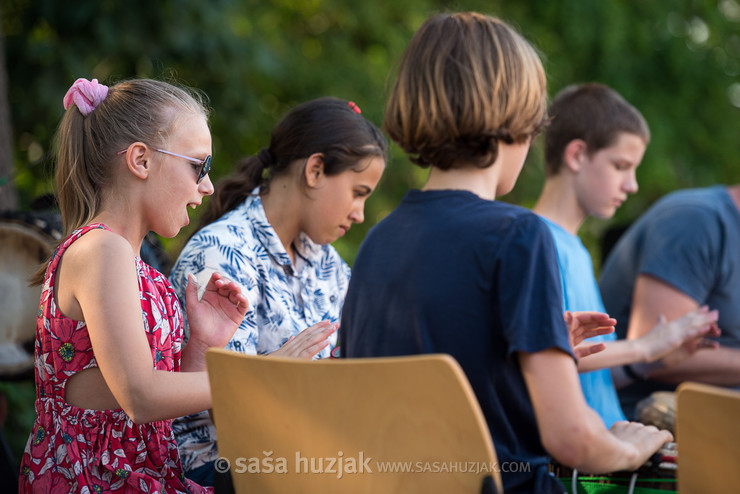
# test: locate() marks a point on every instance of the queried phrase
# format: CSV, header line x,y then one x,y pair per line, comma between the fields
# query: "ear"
x,y
314,170
575,154
138,160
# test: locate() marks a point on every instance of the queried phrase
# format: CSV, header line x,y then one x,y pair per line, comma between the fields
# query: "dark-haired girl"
x,y
268,227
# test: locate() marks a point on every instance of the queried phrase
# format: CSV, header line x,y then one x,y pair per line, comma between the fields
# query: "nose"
x,y
357,215
205,186
630,184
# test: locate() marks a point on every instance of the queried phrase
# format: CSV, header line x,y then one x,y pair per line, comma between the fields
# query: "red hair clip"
x,y
354,107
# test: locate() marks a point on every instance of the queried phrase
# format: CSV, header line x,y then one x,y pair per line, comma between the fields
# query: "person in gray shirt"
x,y
681,254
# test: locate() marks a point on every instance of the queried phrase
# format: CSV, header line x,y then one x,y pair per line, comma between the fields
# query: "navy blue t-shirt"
x,y
449,272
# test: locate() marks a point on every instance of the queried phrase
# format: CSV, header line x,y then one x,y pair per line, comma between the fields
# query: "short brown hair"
x,y
594,113
466,81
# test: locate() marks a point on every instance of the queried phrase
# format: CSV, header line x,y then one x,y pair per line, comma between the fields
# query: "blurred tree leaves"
x,y
677,61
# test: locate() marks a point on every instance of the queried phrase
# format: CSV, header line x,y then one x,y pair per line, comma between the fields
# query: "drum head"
x,y
23,248
658,409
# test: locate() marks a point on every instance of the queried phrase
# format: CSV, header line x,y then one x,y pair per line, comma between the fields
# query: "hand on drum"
x,y
646,439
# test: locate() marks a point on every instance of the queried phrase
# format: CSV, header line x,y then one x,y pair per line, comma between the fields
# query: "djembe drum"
x,y
26,242
658,409
657,475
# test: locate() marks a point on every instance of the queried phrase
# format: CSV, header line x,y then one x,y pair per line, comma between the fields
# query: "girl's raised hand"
x,y
308,342
215,317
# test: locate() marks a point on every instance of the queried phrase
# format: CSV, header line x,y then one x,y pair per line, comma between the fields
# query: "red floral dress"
x,y
79,450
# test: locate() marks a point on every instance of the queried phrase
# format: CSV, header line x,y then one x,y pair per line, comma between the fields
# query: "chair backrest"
x,y
390,425
708,437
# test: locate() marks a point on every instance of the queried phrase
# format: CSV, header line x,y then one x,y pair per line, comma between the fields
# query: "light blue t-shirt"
x,y
581,293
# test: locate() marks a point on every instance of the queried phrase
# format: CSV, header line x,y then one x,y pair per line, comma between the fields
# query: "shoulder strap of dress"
x,y
68,241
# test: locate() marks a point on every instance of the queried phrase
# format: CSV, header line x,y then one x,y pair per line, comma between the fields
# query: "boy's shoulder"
x,y
686,208
699,196
511,214
454,198
462,212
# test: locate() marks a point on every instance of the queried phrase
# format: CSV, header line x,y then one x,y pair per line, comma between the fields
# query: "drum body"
x,y
658,474
658,409
26,242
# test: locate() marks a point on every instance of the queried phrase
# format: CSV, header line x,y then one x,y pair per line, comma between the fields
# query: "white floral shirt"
x,y
284,298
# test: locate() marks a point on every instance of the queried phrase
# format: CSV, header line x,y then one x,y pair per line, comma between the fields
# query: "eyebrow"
x,y
624,161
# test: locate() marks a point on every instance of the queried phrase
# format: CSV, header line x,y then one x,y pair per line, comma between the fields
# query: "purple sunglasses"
x,y
205,165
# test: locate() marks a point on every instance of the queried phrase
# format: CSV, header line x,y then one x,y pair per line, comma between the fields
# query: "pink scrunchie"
x,y
86,95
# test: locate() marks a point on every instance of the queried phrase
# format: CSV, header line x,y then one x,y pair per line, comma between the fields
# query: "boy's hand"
x,y
584,325
646,439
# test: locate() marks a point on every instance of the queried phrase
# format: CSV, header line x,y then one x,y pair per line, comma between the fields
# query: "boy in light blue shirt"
x,y
593,146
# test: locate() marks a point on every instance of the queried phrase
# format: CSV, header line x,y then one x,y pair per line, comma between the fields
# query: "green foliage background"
x,y
677,61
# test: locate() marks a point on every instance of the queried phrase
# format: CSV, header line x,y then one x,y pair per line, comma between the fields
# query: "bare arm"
x,y
615,353
652,298
107,294
667,343
572,432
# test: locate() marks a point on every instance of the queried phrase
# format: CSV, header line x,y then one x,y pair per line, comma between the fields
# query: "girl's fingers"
x,y
319,331
242,303
320,327
312,350
227,288
315,338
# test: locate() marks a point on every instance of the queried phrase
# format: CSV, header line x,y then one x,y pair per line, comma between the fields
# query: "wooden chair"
x,y
289,425
708,436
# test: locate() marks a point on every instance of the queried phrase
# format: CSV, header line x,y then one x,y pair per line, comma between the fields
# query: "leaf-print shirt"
x,y
284,298
71,449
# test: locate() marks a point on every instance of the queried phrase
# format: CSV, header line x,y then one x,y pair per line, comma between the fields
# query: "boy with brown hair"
x,y
452,270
